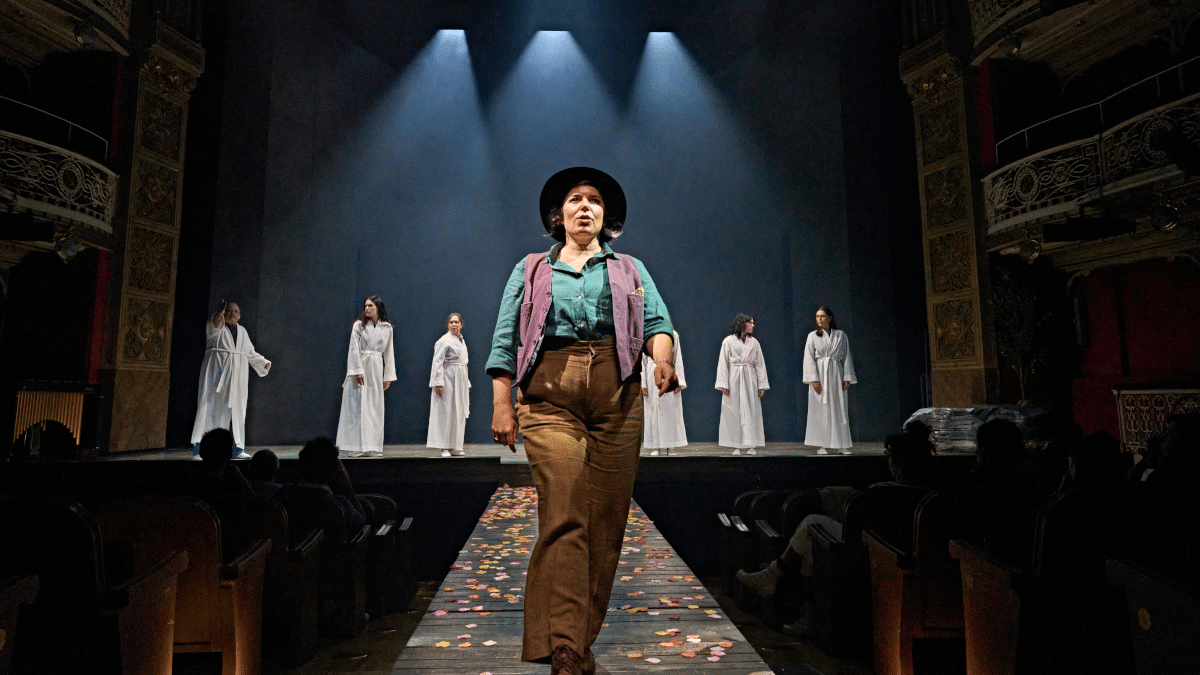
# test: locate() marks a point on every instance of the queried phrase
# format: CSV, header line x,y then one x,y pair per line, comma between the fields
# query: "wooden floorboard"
x,y
661,618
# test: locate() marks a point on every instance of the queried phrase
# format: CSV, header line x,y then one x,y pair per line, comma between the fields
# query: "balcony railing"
x,y
115,12
57,182
989,15
23,119
1055,180
1159,89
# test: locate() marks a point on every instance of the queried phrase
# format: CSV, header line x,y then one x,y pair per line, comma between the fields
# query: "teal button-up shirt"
x,y
582,308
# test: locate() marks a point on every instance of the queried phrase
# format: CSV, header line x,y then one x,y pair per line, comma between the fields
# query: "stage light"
x,y
85,34
1029,249
1164,216
1010,45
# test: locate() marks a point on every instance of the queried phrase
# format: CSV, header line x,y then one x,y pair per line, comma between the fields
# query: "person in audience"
x,y
1093,462
224,377
742,380
263,467
910,461
322,471
1000,453
218,476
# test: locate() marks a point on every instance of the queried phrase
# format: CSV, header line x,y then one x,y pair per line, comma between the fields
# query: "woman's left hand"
x,y
665,378
386,385
761,392
438,390
845,385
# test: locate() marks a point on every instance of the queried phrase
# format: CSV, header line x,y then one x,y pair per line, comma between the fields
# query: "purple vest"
x,y
629,316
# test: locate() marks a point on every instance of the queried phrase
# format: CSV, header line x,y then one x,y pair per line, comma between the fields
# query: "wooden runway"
x,y
660,617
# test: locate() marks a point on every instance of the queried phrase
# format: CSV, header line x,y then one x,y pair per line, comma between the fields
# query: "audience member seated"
x,y
1094,462
910,460
263,467
320,469
217,475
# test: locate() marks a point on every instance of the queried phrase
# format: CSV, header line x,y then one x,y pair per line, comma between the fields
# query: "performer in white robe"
x,y
224,378
742,379
450,400
370,370
662,422
829,369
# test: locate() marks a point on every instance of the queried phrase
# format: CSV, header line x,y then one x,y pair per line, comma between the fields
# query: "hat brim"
x,y
556,188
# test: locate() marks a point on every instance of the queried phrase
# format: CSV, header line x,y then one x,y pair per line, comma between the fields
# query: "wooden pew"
x,y
917,593
219,606
841,618
290,577
1164,619
81,622
14,592
342,572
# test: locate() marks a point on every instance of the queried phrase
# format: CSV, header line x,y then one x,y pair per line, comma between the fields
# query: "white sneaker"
x,y
736,452
763,581
445,453
845,451
244,455
822,451
654,453
375,453
356,453
458,453
751,451
197,458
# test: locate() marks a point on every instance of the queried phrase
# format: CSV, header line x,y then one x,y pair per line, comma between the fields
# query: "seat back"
x,y
799,504
154,527
887,509
741,505
768,506
1078,531
14,592
942,515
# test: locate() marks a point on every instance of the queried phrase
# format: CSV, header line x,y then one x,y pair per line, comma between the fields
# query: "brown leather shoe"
x,y
588,666
566,661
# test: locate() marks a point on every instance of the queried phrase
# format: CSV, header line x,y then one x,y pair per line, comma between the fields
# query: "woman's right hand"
x,y
438,390
724,391
504,426
817,388
360,380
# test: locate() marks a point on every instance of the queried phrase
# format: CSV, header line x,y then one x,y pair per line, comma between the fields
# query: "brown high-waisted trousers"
x,y
583,430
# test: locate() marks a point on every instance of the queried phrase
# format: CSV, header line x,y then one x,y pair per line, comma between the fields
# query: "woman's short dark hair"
x,y
263,465
451,315
554,219
380,311
739,324
832,319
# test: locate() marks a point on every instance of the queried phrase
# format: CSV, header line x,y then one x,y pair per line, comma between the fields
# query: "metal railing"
x,y
1162,87
26,120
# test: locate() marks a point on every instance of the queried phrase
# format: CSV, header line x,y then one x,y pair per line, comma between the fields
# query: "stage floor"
x,y
508,457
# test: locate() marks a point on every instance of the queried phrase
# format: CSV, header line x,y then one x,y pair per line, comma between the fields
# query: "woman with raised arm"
x,y
742,379
829,370
370,370
570,338
450,400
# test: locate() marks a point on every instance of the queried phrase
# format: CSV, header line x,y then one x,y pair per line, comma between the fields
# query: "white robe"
x,y
448,413
827,360
663,417
360,425
224,377
742,370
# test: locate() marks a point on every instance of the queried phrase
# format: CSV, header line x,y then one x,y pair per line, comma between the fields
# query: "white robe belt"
x,y
828,364
227,381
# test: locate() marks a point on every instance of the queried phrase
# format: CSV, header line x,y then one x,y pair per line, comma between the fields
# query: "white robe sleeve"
x,y
354,364
760,366
723,366
437,374
848,366
647,372
389,359
679,363
810,362
257,361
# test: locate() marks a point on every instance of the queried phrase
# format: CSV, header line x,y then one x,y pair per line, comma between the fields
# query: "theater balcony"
x,y
54,185
34,28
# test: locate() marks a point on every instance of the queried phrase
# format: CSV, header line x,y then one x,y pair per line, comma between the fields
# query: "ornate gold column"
x,y
962,355
148,231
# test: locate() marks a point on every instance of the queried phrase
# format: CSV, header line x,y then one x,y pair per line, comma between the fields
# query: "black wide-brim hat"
x,y
556,188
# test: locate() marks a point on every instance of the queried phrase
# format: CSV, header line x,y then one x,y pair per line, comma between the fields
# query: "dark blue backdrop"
x,y
765,149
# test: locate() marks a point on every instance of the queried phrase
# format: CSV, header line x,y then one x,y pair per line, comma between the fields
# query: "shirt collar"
x,y
605,252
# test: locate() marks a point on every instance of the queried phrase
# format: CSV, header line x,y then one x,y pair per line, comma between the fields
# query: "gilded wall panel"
x,y
950,257
154,193
144,336
151,257
946,197
941,132
955,329
162,125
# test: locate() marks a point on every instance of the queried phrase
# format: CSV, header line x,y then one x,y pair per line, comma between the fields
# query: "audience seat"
x,y
290,577
14,592
219,607
1164,619
390,583
81,621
